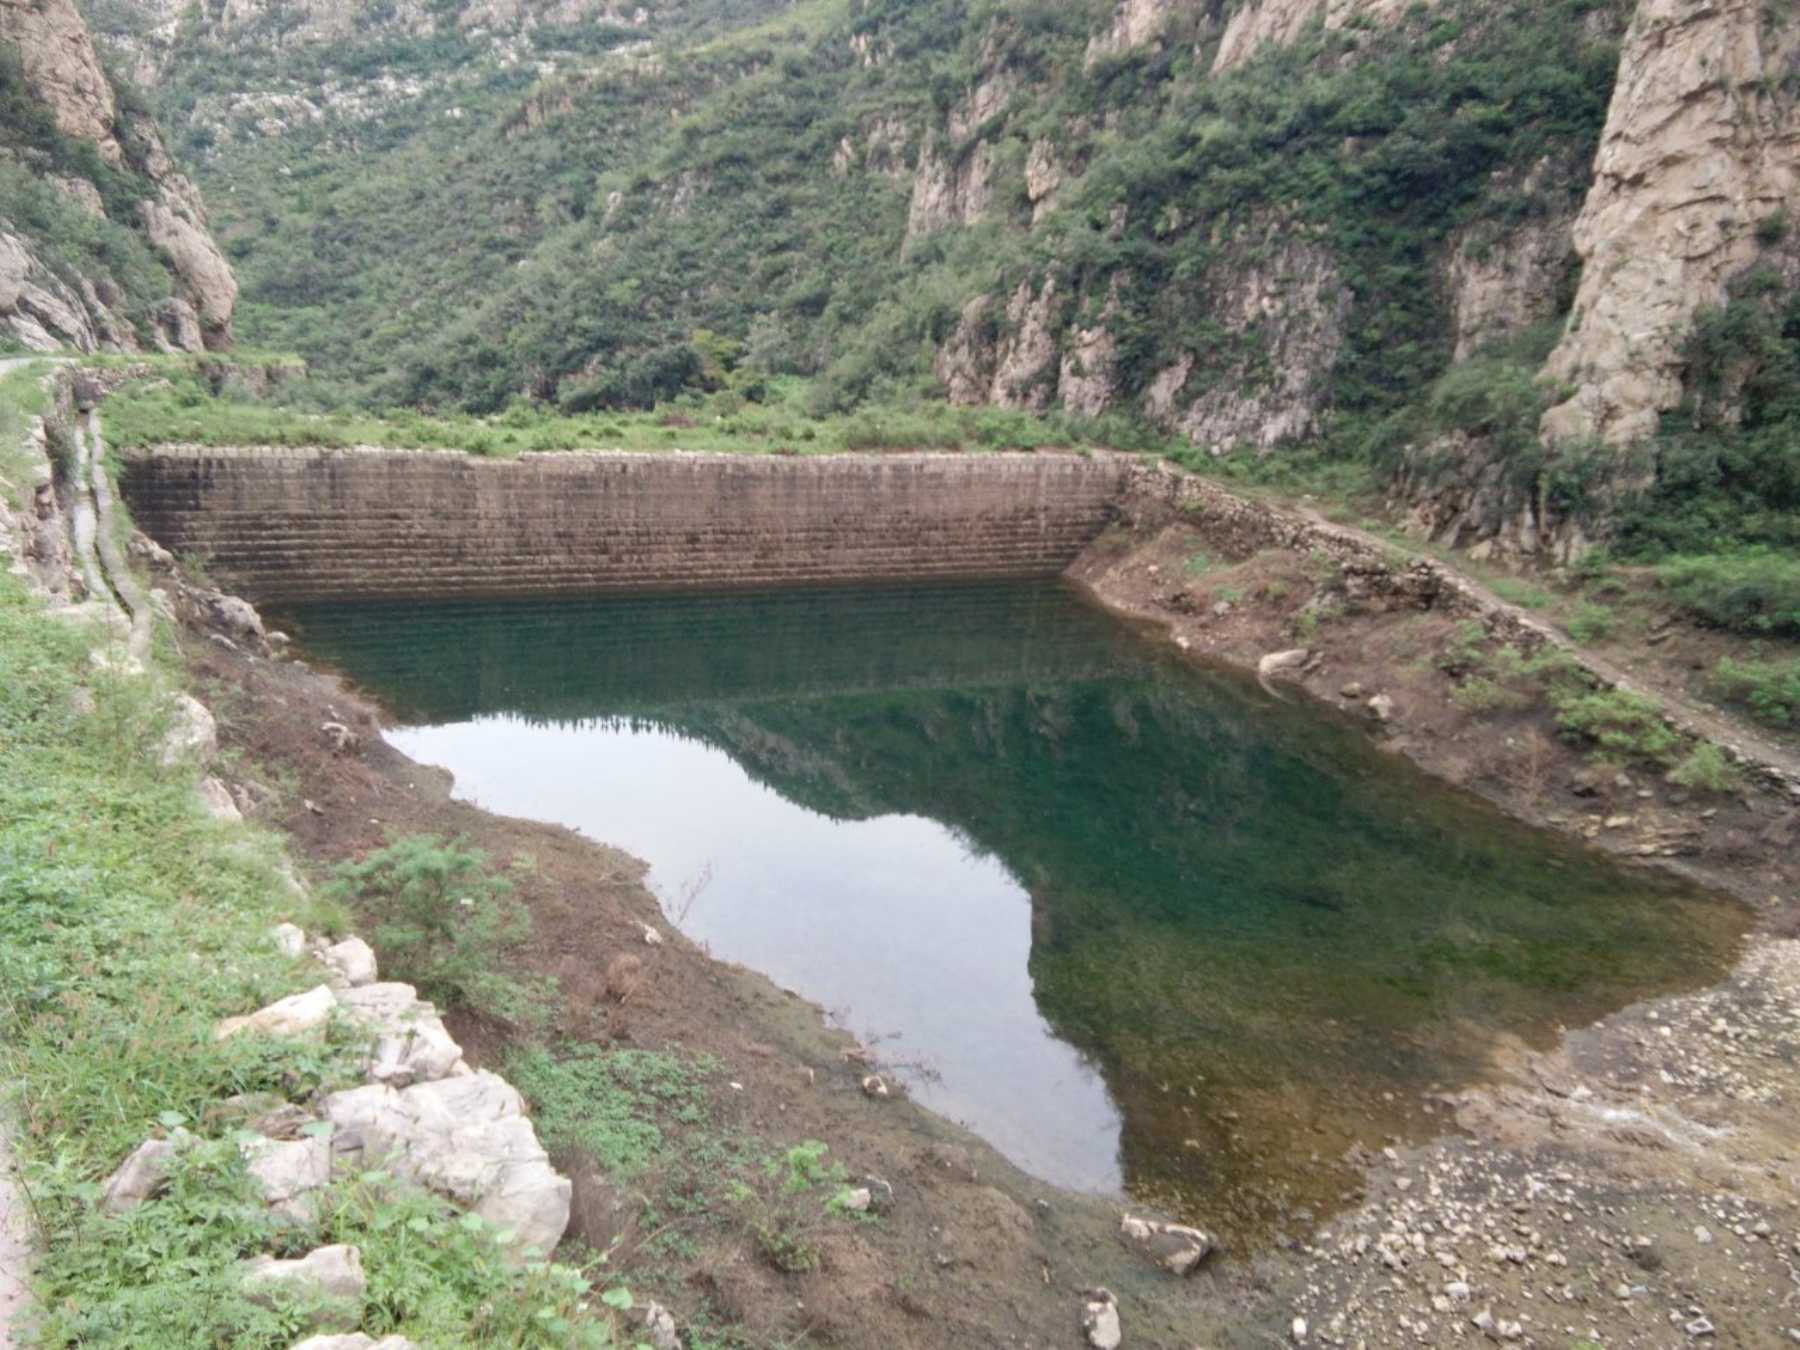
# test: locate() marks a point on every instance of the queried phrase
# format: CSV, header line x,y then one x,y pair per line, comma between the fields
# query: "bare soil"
x,y
1566,1206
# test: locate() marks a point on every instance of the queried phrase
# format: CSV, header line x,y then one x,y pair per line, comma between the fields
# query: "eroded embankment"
x,y
287,525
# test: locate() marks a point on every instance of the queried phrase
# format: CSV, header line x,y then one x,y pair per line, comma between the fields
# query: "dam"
x,y
279,525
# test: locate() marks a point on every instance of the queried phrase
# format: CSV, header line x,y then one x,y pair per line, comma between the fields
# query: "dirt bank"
x,y
1566,1205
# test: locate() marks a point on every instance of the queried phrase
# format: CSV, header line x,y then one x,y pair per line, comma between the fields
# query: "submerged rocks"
x,y
1175,1247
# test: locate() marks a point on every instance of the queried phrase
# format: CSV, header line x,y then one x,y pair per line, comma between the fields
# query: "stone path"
x,y
15,1247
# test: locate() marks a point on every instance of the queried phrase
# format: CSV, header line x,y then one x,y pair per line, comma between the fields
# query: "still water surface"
x,y
1138,924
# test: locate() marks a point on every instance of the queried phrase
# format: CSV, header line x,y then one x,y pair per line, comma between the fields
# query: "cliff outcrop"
x,y
104,244
1697,170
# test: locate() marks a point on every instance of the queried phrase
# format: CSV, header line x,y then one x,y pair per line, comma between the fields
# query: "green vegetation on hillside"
x,y
564,242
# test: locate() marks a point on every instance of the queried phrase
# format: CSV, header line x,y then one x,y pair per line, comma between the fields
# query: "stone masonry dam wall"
x,y
289,525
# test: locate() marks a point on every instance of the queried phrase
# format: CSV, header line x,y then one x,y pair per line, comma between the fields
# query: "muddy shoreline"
x,y
1630,1129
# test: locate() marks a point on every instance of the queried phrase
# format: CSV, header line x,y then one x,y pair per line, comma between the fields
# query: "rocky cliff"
x,y
103,242
1254,224
1695,176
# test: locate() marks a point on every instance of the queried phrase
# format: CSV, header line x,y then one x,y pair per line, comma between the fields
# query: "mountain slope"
x,y
1250,225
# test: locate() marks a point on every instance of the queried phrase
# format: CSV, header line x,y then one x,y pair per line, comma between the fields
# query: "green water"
x,y
1140,924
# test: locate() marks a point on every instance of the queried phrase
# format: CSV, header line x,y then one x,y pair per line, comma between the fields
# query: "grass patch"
x,y
448,924
1705,769
617,1106
1769,689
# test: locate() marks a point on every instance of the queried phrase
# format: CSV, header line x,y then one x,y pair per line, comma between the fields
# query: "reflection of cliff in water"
x,y
1272,940
1273,943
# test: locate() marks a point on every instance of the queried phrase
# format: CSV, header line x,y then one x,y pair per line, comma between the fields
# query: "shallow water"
x,y
1137,923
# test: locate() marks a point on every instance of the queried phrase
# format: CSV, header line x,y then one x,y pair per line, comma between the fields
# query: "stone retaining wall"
x,y
285,525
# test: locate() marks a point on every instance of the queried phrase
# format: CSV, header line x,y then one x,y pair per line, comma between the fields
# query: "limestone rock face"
x,y
1289,303
62,71
1263,23
1700,146
466,1137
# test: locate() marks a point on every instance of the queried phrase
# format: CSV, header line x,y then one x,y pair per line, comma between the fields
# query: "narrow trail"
x,y
1775,761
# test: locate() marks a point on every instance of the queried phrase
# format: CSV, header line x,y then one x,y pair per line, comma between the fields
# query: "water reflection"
x,y
915,939
993,821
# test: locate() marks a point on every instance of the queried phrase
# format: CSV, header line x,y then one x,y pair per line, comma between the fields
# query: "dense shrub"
x,y
1755,591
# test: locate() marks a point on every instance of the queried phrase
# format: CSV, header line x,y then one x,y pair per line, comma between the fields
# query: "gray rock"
x,y
411,1043
352,961
1175,1247
289,1173
466,1137
296,1016
1381,708
1277,661
192,733
659,1327
215,799
142,1174
290,940
236,616
1100,1320
328,1283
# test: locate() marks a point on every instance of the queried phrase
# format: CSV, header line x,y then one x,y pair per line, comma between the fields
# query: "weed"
x,y
1522,593
1706,769
1198,565
1770,689
1591,622
614,1105
446,924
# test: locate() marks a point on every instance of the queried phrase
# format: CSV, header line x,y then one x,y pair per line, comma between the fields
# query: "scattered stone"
x,y
875,1086
352,961
329,1283
858,1201
659,1327
1299,1330
652,938
235,615
1100,1320
142,548
1703,1235
1353,690
355,1341
142,1174
215,798
296,1016
290,940
466,1137
1279,661
340,738
1176,1248
192,733
1381,708
1699,1327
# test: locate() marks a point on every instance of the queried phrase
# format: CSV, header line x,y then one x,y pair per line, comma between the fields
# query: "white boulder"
x,y
328,1283
296,1016
466,1137
411,1043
